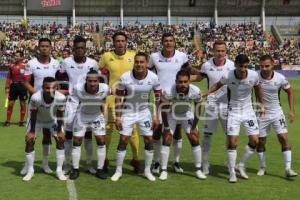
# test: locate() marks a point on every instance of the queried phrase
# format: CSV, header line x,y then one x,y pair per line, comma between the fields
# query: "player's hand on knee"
x,y
30,136
194,132
118,124
60,136
291,116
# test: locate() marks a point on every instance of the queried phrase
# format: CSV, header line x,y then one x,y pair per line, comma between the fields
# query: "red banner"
x,y
50,3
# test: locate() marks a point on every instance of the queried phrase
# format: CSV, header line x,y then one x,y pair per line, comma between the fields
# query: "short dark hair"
x,y
44,40
266,57
92,72
20,52
183,72
219,42
167,34
48,79
241,59
119,33
78,39
140,53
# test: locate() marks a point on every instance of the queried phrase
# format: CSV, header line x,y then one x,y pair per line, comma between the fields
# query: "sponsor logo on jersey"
x,y
211,70
72,67
38,68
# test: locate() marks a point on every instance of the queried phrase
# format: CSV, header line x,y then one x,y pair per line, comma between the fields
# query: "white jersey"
x,y
137,91
240,91
39,71
213,74
77,71
85,104
46,113
183,105
271,89
167,68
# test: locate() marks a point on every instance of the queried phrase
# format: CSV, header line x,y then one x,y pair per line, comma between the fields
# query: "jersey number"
x,y
147,124
250,123
282,122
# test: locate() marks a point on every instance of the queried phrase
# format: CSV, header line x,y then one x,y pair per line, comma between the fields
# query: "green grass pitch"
x,y
131,186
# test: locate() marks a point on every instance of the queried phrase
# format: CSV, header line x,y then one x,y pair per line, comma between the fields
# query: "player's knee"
x,y
69,135
231,146
60,145
149,146
29,147
167,139
77,141
100,141
88,135
253,145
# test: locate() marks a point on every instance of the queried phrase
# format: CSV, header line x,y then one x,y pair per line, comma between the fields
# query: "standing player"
x,y
217,102
76,68
87,101
113,64
166,63
15,88
45,105
272,82
135,86
178,109
39,68
240,83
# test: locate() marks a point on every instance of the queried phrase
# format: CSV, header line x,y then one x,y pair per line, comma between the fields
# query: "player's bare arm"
x,y
213,88
291,99
259,97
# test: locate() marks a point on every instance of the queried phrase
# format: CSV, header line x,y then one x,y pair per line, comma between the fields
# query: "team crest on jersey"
x,y
111,60
80,67
38,68
72,67
149,82
211,70
129,60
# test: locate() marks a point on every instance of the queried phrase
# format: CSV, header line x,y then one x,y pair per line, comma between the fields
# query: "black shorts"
x,y
17,90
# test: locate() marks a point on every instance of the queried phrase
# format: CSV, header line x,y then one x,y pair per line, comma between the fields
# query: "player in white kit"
x,y
240,83
46,112
166,63
76,67
272,82
135,86
36,70
87,102
181,105
217,102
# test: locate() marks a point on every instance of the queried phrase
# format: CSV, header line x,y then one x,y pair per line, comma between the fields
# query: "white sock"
x,y
46,151
101,153
76,151
206,147
177,144
287,155
262,159
88,145
196,152
247,153
148,155
164,154
30,160
68,150
157,149
120,158
231,157
60,158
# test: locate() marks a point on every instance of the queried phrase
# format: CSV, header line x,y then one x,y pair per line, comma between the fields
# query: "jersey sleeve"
x,y
121,84
284,83
63,66
102,63
156,85
61,102
95,67
151,65
71,107
256,79
198,96
34,103
28,71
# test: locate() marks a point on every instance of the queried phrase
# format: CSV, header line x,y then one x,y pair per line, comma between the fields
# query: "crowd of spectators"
x,y
241,38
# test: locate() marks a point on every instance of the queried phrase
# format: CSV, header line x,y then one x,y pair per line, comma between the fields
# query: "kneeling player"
x,y
136,86
271,83
181,99
240,83
43,104
87,100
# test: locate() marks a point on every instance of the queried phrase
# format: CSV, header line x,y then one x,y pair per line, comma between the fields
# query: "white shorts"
x,y
142,118
278,123
213,112
52,126
186,124
248,119
81,125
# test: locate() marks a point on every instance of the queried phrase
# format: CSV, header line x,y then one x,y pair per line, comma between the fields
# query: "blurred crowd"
x,y
195,39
